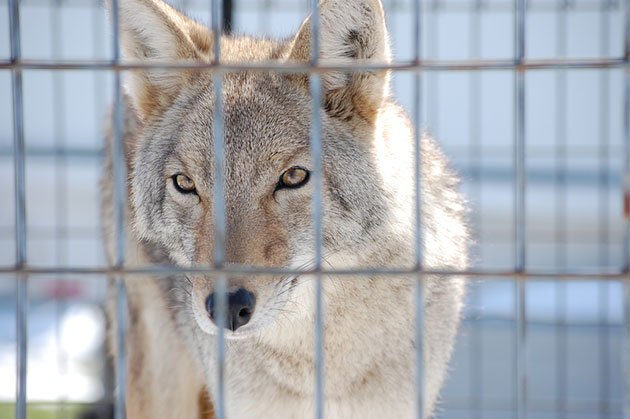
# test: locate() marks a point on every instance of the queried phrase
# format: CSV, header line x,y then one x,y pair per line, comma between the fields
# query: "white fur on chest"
x,y
289,408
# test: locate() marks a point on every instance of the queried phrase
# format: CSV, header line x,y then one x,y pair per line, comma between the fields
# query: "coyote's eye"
x,y
293,177
183,184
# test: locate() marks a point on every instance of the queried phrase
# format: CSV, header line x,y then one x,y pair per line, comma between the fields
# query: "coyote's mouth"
x,y
240,334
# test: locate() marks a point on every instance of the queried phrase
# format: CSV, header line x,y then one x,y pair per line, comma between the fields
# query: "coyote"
x,y
368,222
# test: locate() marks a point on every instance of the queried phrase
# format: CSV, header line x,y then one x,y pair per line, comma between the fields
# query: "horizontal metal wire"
x,y
293,67
578,275
398,6
455,151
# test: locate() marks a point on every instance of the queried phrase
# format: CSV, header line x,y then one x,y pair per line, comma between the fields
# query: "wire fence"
x,y
550,209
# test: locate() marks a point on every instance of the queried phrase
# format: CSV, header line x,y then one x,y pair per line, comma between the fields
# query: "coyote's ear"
x,y
152,32
350,30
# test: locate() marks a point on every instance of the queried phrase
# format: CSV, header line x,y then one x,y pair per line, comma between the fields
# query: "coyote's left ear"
x,y
152,32
350,30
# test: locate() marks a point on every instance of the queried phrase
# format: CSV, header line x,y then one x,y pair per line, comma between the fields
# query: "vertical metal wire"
x,y
433,79
220,291
419,338
520,350
59,113
61,195
120,178
475,107
100,101
18,135
315,86
561,213
603,287
519,134
121,350
22,344
625,349
98,45
20,212
418,242
118,161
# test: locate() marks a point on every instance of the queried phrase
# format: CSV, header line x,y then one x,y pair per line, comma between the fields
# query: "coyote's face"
x,y
268,169
267,187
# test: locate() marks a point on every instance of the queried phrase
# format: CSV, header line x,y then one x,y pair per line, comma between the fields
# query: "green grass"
x,y
44,410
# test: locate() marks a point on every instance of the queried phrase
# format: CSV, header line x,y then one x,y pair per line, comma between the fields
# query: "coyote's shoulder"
x,y
368,220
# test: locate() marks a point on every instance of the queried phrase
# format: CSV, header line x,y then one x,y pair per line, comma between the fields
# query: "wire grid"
x,y
423,67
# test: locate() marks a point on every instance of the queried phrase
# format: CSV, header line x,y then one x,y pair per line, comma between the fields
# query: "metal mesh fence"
x,y
531,101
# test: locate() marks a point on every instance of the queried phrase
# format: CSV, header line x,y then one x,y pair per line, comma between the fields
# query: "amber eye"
x,y
183,184
293,178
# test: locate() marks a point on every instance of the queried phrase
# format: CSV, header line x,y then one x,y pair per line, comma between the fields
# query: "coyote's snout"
x,y
368,223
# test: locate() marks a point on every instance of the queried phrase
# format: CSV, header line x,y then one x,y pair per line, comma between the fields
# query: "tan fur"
x,y
206,411
368,207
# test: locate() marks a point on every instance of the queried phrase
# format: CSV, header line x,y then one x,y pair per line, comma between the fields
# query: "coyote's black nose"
x,y
240,308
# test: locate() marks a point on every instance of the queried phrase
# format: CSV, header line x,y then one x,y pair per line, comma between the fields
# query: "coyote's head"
x,y
267,166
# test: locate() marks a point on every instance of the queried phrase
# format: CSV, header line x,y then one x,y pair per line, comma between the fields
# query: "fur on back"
x,y
368,222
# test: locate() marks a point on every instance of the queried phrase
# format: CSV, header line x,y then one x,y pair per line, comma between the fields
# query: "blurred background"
x,y
574,213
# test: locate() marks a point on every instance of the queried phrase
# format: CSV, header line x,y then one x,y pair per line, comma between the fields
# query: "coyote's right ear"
x,y
152,32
